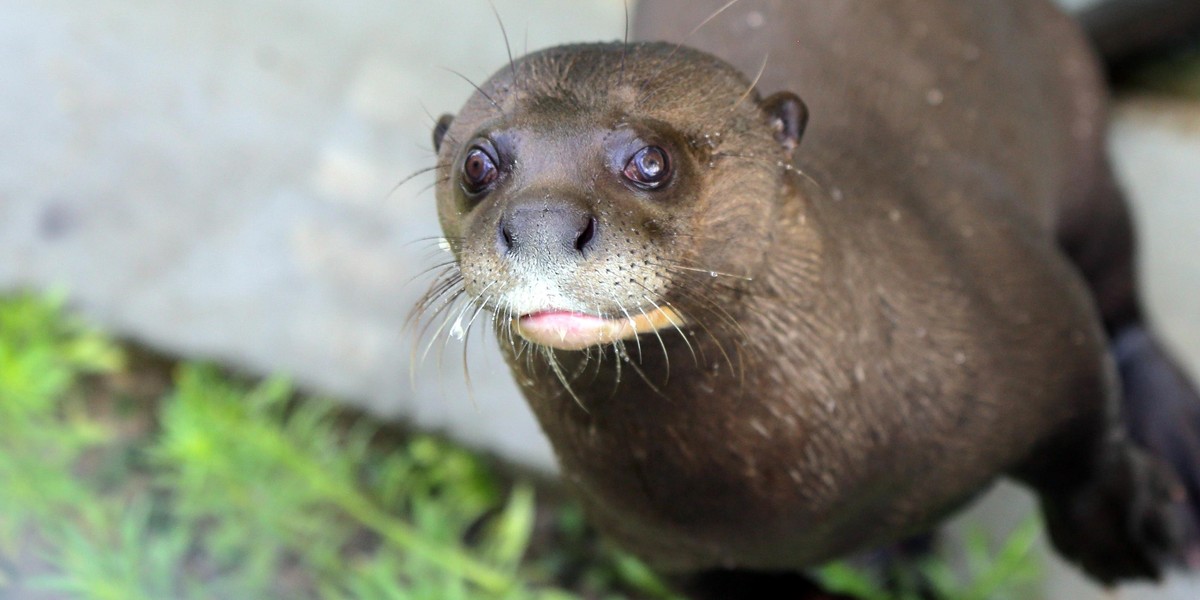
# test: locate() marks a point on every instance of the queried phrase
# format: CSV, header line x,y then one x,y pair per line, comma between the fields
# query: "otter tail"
x,y
1161,409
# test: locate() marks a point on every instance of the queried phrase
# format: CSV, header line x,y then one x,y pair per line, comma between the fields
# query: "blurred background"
x,y
216,181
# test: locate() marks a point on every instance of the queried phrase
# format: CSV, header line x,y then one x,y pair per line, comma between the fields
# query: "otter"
x,y
757,343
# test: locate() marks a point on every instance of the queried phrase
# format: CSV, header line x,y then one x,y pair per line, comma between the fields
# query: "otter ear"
x,y
439,130
788,116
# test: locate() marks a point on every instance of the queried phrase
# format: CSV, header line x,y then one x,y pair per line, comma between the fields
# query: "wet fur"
x,y
916,300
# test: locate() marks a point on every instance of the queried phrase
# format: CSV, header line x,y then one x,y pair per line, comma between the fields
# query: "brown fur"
x,y
879,322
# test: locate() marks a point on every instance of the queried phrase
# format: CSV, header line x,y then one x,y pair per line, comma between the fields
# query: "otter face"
x,y
571,186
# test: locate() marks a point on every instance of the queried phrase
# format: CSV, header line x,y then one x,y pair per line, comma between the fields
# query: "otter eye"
x,y
479,170
649,168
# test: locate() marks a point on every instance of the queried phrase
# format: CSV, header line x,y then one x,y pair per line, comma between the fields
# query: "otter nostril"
x,y
506,240
588,234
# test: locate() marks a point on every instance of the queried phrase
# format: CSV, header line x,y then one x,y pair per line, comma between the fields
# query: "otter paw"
x,y
1127,523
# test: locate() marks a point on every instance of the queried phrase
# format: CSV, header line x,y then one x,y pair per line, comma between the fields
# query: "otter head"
x,y
579,187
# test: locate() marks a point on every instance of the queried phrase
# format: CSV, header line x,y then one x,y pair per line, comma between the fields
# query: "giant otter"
x,y
757,344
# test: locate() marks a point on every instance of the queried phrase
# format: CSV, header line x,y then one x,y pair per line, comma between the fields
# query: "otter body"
x,y
759,346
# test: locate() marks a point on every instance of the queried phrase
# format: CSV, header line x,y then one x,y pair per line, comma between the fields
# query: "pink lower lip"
x,y
560,318
566,330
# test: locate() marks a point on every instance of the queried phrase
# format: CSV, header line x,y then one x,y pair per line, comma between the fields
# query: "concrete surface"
x,y
215,179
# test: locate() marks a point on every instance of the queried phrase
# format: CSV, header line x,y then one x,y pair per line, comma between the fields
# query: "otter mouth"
x,y
565,330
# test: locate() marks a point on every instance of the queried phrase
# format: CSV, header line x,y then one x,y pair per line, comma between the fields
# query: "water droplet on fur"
x,y
712,273
457,330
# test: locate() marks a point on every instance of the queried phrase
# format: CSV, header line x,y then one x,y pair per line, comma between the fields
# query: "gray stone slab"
x,y
214,179
1156,148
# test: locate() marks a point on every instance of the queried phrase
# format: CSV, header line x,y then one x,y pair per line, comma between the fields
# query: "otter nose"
x,y
551,230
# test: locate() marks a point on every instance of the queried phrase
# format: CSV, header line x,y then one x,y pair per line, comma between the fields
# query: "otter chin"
x,y
758,344
565,330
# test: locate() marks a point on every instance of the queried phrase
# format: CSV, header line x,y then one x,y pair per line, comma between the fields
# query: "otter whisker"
x,y
616,346
412,176
624,45
671,54
661,343
702,270
713,307
434,121
412,359
457,321
466,345
448,280
715,14
678,327
750,90
637,338
527,348
713,282
441,265
431,186
506,323
479,90
437,334
459,331
512,65
723,154
619,357
580,368
716,342
666,355
467,369
433,239
721,315
601,352
697,236
636,369
598,364
445,293
552,360
480,308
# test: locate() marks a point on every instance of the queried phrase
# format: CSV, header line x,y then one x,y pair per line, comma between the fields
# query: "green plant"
x,y
224,488
42,438
239,490
1007,573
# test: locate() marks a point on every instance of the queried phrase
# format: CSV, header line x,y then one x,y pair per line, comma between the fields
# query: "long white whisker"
x,y
552,360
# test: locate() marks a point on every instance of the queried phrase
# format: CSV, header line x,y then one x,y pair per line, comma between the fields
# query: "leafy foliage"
x,y
237,490
213,487
1010,572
